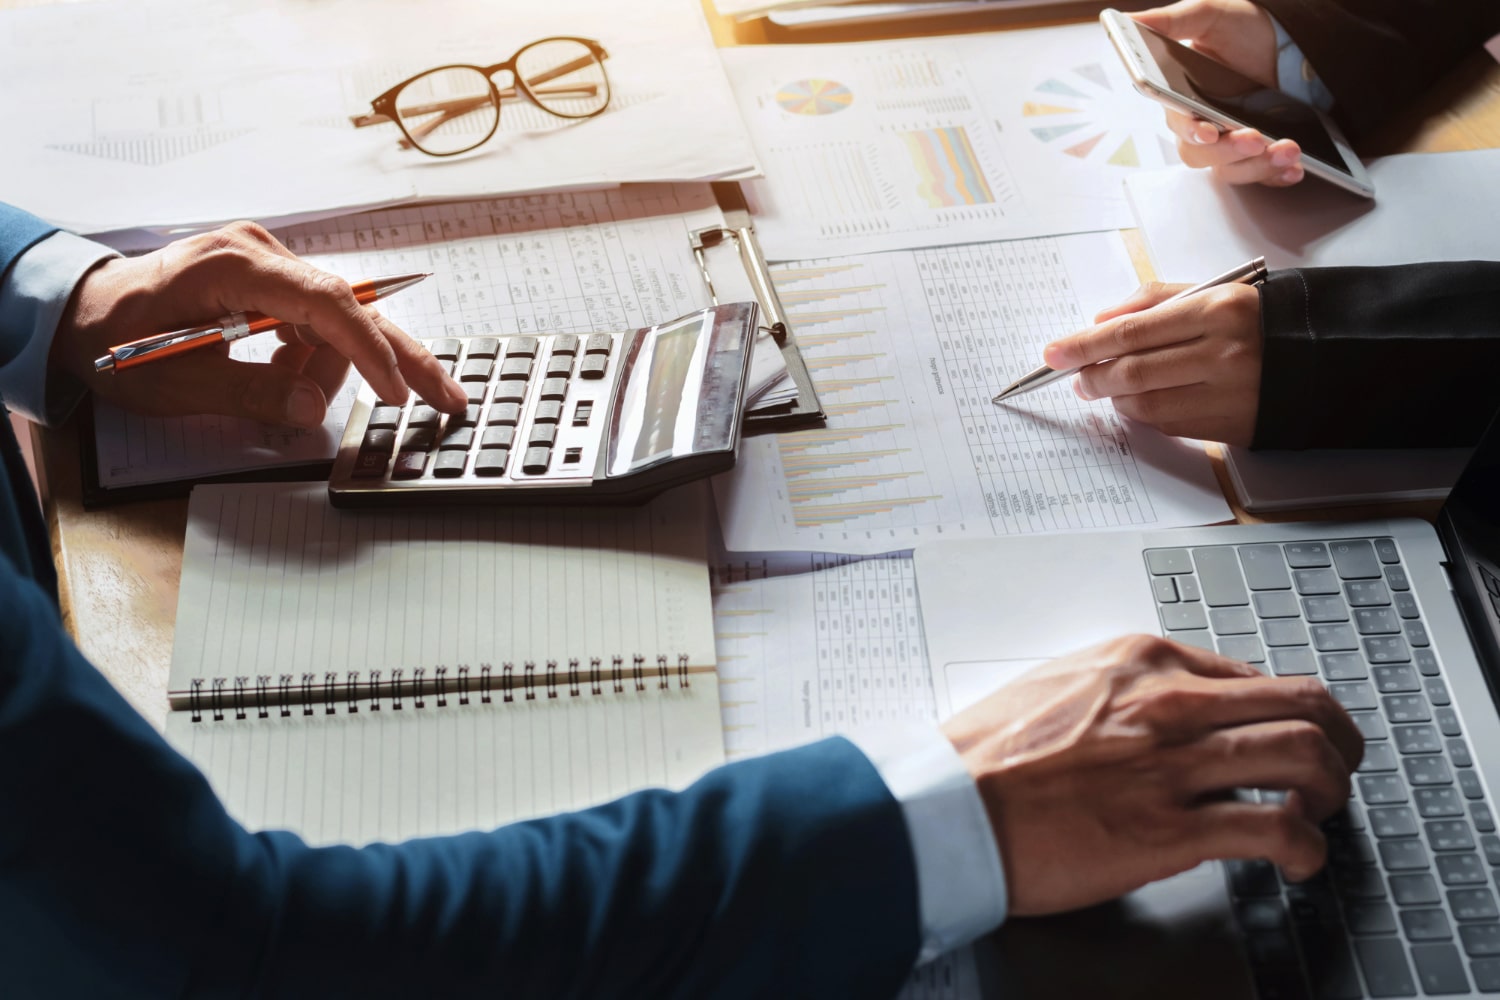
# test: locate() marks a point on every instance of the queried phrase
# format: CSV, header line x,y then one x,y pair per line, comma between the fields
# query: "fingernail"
x,y
1291,176
1080,390
1283,158
304,408
1249,145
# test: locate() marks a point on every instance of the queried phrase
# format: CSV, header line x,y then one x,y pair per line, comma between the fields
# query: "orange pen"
x,y
232,327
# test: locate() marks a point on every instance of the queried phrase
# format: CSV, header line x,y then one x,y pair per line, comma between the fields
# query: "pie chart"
x,y
1089,113
814,97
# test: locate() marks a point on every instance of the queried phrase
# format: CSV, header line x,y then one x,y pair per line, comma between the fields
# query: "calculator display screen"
x,y
661,399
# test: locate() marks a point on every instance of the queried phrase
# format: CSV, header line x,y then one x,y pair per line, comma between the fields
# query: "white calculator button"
x,y
598,343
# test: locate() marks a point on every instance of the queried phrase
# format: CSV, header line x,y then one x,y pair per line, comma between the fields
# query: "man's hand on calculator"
x,y
240,268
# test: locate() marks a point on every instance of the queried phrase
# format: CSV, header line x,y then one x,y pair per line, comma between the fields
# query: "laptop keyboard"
x,y
1407,904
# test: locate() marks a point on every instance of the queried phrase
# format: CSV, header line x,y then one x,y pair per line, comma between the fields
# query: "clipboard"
x,y
733,269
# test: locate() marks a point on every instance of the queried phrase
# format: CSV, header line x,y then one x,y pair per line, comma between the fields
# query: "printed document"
x,y
812,645
935,141
907,350
175,114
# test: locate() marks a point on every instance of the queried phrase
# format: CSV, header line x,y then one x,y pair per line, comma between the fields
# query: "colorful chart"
x,y
1091,113
948,172
814,97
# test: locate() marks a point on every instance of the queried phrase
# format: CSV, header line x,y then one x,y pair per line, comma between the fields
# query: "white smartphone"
x,y
1191,82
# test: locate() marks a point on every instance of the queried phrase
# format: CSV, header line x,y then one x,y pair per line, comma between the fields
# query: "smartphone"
x,y
1189,81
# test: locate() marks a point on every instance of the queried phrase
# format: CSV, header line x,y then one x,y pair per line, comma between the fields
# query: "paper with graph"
x,y
907,349
934,141
168,114
812,645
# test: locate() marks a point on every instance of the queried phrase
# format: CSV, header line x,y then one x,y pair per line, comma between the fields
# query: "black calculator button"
x,y
422,416
449,464
594,366
564,343
536,460
409,465
520,347
476,391
543,434
515,368
445,349
548,411
510,392
457,439
385,416
468,418
368,465
418,439
476,370
497,437
598,343
581,413
555,388
505,413
559,364
380,440
490,462
483,347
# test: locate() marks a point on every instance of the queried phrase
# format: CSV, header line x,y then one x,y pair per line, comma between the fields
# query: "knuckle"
x,y
1126,334
1147,647
1131,374
324,284
251,232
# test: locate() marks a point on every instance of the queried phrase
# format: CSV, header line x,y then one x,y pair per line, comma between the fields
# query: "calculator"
x,y
578,418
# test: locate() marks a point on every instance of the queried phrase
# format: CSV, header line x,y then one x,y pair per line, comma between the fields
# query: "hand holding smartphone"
x,y
1190,82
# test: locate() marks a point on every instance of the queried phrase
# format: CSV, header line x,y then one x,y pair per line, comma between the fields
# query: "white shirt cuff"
x,y
33,297
960,880
1295,75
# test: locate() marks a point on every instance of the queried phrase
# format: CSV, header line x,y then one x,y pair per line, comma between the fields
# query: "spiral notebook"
x,y
358,677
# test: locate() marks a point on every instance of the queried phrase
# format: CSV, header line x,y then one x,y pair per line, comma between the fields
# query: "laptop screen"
x,y
1470,528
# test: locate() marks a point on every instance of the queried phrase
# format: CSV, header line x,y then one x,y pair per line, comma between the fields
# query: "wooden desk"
x,y
119,568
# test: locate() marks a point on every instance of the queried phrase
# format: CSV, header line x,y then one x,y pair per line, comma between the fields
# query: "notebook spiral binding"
x,y
240,698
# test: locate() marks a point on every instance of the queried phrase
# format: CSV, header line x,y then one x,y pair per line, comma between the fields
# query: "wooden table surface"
x,y
119,567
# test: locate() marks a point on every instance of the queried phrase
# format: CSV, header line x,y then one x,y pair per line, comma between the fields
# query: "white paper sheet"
x,y
598,260
1429,206
933,141
810,645
177,113
907,349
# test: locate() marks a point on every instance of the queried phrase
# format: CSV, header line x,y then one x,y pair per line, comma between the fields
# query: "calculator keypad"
x,y
531,414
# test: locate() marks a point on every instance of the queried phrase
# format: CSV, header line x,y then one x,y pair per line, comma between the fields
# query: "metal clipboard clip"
x,y
735,270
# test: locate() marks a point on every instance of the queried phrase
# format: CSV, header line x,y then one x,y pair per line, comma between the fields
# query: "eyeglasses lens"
x,y
565,77
448,110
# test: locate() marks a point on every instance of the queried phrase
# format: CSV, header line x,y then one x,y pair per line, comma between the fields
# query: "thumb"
x,y
1186,20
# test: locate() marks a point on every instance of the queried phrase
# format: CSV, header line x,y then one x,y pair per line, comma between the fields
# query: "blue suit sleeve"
x,y
19,231
121,874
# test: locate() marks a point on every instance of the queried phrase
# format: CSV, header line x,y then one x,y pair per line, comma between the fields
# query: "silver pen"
x,y
1250,273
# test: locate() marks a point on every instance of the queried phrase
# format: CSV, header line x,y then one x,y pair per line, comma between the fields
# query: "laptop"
x,y
1399,618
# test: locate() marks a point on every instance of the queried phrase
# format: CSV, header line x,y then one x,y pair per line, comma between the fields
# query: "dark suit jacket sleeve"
x,y
1379,357
121,874
1377,55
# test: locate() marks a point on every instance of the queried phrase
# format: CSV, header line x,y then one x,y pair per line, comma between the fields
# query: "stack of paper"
x,y
172,115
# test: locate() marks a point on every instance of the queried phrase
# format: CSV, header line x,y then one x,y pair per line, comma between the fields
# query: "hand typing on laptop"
x,y
239,268
1116,766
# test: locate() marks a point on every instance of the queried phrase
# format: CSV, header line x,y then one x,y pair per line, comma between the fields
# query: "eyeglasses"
x,y
452,109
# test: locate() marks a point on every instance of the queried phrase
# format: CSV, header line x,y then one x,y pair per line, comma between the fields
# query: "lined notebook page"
x,y
389,775
277,582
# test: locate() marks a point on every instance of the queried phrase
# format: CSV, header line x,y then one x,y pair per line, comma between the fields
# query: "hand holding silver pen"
x,y
1249,273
